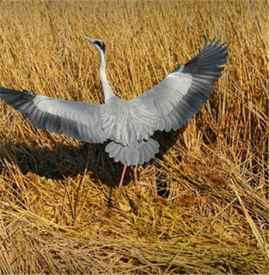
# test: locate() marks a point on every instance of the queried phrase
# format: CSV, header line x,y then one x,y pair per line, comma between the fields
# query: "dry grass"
x,y
57,215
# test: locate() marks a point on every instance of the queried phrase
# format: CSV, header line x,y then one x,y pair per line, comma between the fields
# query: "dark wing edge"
x,y
179,96
75,119
205,69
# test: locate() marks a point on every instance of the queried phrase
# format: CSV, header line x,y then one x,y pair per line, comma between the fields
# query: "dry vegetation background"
x,y
58,211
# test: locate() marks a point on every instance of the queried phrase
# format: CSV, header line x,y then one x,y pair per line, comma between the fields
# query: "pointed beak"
x,y
89,39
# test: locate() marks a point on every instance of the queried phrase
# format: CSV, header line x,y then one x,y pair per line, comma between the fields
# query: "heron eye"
x,y
100,44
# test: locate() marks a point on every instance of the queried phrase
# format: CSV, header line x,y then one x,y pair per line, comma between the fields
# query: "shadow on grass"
x,y
64,161
68,161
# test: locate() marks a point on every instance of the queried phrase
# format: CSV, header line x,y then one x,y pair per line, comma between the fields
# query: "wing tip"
x,y
215,43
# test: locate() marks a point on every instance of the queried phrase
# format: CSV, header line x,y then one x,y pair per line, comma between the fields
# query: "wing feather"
x,y
177,98
75,119
129,125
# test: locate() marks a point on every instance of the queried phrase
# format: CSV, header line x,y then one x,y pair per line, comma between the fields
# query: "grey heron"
x,y
127,126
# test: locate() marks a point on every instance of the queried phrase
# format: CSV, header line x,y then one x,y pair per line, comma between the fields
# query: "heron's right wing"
x,y
177,98
74,119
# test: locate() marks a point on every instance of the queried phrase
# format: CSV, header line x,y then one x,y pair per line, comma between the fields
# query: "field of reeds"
x,y
202,207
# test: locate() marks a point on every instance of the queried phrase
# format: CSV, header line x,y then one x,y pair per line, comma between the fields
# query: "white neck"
x,y
105,85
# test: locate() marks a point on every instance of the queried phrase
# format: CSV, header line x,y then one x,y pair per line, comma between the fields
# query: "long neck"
x,y
105,85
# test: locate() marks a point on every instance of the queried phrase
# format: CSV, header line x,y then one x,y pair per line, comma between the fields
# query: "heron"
x,y
127,126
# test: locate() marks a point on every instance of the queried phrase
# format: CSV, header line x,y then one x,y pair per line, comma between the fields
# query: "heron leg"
x,y
122,175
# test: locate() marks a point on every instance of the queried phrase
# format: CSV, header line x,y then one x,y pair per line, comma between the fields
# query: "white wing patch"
x,y
126,122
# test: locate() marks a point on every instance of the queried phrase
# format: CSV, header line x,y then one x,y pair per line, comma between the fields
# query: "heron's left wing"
x,y
75,119
171,103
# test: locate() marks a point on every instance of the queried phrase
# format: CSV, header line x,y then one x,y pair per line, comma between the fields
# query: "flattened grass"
x,y
58,211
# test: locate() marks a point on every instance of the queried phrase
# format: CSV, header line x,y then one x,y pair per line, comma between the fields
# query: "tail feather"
x,y
134,154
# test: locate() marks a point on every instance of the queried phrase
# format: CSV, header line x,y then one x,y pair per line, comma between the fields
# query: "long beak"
x,y
89,39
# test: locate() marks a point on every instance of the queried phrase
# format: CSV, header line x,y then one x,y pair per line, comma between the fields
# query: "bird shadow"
x,y
166,141
63,161
69,160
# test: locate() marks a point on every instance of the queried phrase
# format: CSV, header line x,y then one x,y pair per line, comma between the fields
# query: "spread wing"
x,y
74,119
172,102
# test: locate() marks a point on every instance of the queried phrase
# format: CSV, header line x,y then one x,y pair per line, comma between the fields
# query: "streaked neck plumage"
x,y
108,92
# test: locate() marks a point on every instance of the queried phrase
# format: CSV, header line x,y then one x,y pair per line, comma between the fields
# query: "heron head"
x,y
97,43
